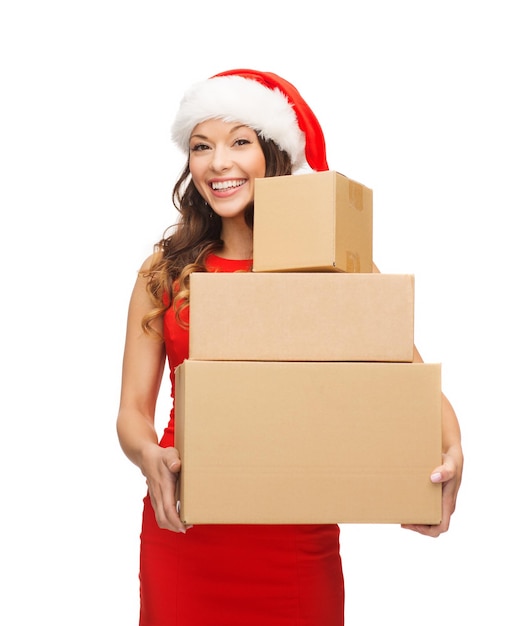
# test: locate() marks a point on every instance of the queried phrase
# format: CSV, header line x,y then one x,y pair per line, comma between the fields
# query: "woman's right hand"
x,y
161,467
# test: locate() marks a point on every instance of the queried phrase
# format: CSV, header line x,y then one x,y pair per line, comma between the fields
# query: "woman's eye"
x,y
198,147
242,142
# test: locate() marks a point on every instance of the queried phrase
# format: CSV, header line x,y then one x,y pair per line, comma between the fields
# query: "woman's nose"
x,y
220,159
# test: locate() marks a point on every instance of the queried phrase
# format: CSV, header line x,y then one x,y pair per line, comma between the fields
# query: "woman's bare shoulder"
x,y
150,261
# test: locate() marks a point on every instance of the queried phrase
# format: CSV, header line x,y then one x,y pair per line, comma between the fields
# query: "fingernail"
x,y
436,477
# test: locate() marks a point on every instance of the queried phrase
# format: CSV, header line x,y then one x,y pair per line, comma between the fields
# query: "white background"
x,y
426,103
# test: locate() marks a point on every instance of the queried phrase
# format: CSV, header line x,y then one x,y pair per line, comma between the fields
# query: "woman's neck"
x,y
238,241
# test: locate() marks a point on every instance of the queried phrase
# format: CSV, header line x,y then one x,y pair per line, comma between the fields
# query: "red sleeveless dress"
x,y
236,575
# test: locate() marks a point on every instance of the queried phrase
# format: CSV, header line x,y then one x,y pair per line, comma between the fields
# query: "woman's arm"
x,y
143,366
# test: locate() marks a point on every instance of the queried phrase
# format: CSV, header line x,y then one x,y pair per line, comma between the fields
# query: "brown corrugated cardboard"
x,y
302,317
321,221
270,442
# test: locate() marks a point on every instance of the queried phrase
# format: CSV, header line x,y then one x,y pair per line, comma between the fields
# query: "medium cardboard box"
x,y
275,443
301,317
321,221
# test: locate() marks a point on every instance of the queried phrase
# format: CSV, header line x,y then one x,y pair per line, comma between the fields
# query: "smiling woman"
x,y
235,127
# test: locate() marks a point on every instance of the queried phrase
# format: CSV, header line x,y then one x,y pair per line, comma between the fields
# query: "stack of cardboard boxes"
x,y
300,402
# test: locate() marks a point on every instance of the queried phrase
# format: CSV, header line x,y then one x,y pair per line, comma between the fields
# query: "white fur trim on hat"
x,y
238,99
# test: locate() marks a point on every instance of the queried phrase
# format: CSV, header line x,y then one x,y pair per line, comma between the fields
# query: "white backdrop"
x,y
426,103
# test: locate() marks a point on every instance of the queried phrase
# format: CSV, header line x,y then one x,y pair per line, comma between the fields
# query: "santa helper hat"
x,y
269,104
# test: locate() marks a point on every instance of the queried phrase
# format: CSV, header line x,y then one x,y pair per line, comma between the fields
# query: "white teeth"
x,y
227,184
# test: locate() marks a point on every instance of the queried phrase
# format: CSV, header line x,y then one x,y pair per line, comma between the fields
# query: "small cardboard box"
x,y
319,222
276,443
302,317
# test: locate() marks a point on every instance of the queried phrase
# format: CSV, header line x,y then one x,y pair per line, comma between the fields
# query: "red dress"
x,y
236,575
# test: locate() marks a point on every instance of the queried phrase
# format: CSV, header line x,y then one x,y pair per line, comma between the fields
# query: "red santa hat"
x,y
263,101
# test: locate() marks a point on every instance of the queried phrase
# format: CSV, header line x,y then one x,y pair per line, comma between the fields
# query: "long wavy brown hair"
x,y
197,233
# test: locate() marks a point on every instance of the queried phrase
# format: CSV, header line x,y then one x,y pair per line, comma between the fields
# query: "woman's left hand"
x,y
449,474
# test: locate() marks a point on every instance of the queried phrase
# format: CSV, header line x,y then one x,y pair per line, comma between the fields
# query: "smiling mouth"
x,y
222,185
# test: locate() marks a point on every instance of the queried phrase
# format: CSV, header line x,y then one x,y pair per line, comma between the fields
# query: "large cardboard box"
x,y
321,221
302,317
274,443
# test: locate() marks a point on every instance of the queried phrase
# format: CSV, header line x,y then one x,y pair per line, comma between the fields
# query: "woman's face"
x,y
224,160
